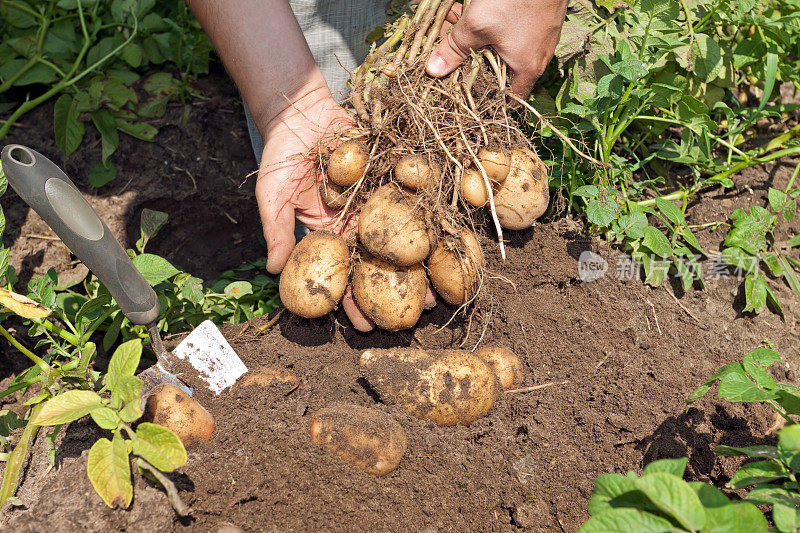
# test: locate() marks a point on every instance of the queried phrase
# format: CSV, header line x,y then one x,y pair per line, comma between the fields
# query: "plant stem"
x,y
17,457
172,492
66,335
29,354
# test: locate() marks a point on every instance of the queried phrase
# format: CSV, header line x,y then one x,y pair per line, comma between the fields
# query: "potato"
x,y
268,376
524,195
391,296
456,268
347,163
418,172
505,364
367,438
315,276
333,195
496,163
170,406
473,188
393,228
448,387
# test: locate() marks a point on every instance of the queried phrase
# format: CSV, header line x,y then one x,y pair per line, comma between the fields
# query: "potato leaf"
x,y
22,305
159,446
68,406
110,472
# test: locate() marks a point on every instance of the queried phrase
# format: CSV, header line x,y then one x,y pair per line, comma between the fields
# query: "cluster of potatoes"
x,y
398,250
446,387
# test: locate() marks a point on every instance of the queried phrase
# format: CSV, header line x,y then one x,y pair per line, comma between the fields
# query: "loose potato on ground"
x,y
367,438
496,162
524,195
170,406
268,376
347,163
393,228
418,172
456,267
333,195
391,296
505,364
446,387
315,276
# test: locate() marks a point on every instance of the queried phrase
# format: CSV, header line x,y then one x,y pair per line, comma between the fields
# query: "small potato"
x,y
393,228
315,276
391,296
496,163
524,195
473,188
505,364
170,406
333,195
347,163
367,438
268,376
456,268
447,387
418,172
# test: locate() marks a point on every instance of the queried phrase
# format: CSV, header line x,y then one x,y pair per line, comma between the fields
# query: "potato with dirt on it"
x,y
418,172
347,163
170,406
391,296
367,438
447,387
315,276
496,162
267,376
525,193
456,268
332,194
393,227
505,364
473,188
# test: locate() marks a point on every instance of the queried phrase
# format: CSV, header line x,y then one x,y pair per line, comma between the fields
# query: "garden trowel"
x,y
55,198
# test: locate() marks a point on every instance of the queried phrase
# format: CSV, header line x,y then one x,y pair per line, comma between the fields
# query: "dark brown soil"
x,y
620,359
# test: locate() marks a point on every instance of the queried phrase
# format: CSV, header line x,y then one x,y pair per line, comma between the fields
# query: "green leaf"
x,y
674,498
602,211
738,387
789,275
781,203
655,268
722,372
68,130
191,289
657,242
106,124
100,175
671,211
132,54
794,241
127,390
771,495
757,472
124,362
625,520
161,82
140,130
770,452
630,69
755,293
756,361
706,57
774,265
586,191
786,518
749,231
743,261
789,446
154,268
720,512
110,472
676,467
689,237
17,17
614,490
633,225
150,224
159,446
132,411
237,289
105,417
67,406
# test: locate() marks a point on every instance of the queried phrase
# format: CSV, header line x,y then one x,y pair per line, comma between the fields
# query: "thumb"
x,y
453,49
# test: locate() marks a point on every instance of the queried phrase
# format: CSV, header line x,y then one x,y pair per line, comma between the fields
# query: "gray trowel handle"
x,y
55,198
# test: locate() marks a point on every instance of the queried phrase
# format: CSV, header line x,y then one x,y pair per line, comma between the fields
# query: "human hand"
x,y
287,181
523,32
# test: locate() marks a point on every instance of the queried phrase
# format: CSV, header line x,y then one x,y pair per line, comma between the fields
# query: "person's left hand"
x,y
523,32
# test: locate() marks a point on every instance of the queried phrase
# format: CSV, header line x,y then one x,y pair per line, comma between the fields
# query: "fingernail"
x,y
436,65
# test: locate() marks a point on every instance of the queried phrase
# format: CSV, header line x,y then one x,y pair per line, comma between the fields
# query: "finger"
x,y
430,299
522,82
455,13
453,49
277,217
357,318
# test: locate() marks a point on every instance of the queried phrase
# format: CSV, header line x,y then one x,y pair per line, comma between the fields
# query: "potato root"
x,y
367,438
347,163
505,364
391,227
456,268
391,296
170,406
448,387
418,172
315,276
524,195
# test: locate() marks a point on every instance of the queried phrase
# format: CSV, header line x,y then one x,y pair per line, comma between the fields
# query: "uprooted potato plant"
x,y
433,168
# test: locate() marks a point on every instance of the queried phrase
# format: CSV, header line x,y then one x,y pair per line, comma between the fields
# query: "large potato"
x,y
524,195
447,387
456,268
505,364
418,172
391,296
171,407
367,438
393,228
315,276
